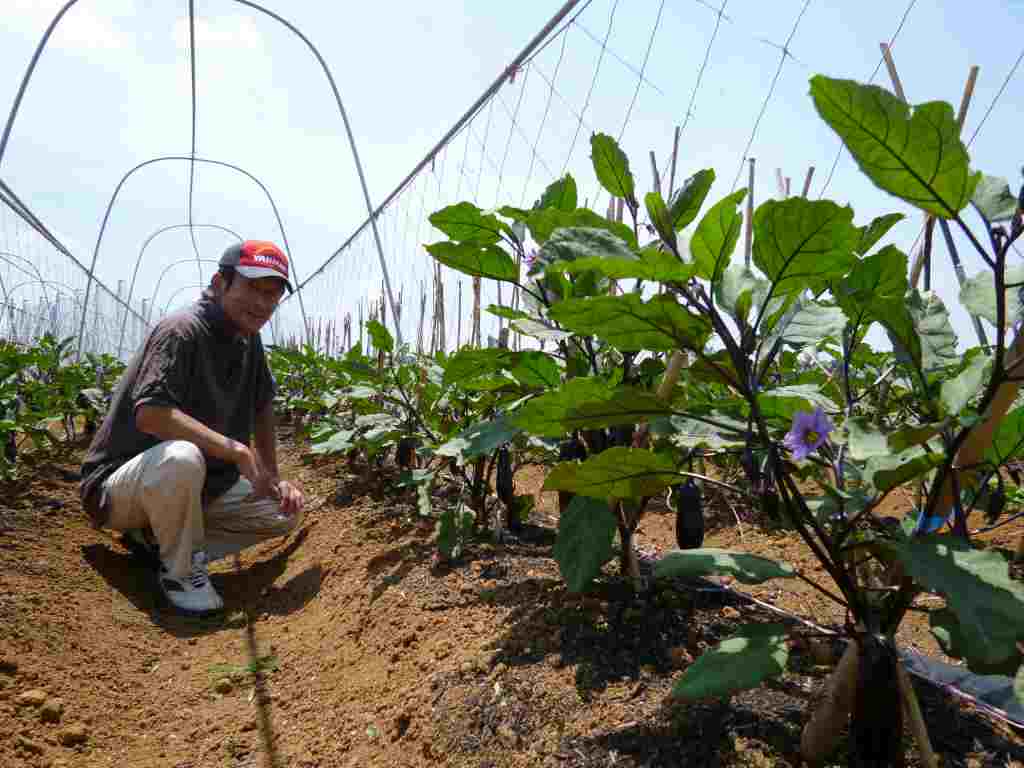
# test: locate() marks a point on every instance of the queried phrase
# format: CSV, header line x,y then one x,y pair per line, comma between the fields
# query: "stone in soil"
x,y
52,711
74,735
32,698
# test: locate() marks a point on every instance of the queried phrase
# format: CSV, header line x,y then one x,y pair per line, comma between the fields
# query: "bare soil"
x,y
376,655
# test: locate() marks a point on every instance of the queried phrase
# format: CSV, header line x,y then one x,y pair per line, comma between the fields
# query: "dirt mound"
x,y
376,655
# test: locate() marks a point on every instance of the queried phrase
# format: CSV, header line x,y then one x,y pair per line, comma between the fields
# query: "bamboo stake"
x,y
423,317
672,172
749,229
807,182
890,64
915,720
654,172
458,326
826,726
620,209
476,339
442,340
965,102
781,182
788,181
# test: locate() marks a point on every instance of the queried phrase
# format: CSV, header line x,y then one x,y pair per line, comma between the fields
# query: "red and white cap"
x,y
257,258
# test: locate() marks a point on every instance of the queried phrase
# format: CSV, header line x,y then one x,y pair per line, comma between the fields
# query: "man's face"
x,y
249,303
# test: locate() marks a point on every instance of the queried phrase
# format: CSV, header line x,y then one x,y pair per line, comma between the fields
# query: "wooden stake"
x,y
781,182
476,340
807,182
965,101
826,726
912,712
458,325
657,176
788,181
890,64
672,173
749,229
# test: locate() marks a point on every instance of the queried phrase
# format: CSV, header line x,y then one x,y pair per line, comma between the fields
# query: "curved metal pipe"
x,y
183,288
138,262
35,269
337,97
156,290
140,166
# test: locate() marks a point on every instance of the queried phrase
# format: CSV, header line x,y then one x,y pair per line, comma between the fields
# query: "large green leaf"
x,y
626,405
994,199
657,212
623,473
544,416
895,317
959,390
546,220
882,275
468,364
685,202
692,433
465,223
586,532
755,653
978,295
814,323
988,604
938,341
560,195
507,312
571,243
539,330
611,166
651,264
1008,441
916,156
945,628
799,242
784,402
535,369
864,441
632,324
380,336
474,259
740,290
746,568
887,471
716,235
481,439
339,442
876,230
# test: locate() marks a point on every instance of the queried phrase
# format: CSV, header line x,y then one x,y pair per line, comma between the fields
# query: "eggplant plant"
x,y
852,422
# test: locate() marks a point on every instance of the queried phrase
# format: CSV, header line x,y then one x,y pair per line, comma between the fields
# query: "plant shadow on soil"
x,y
124,573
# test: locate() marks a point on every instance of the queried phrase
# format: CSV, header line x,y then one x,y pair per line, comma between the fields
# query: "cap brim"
x,y
254,273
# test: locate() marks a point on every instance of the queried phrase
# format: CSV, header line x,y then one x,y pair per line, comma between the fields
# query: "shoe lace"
x,y
199,577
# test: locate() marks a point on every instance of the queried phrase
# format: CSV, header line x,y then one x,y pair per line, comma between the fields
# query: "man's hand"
x,y
291,497
264,485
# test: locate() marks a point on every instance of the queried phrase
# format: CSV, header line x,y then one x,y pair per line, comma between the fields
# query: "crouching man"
x,y
185,462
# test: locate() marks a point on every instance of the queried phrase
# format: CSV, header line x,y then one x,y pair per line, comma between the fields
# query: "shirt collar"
x,y
213,313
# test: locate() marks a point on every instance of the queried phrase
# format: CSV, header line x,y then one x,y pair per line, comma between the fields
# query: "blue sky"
x,y
113,91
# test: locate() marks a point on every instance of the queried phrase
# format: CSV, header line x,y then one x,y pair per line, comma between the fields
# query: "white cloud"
x,y
88,27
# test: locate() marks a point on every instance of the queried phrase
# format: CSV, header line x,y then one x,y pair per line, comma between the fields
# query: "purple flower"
x,y
808,433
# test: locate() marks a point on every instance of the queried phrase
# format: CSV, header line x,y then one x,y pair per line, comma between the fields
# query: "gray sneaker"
x,y
193,594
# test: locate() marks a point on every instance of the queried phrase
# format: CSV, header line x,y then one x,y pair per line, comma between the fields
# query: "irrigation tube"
x,y
140,166
131,288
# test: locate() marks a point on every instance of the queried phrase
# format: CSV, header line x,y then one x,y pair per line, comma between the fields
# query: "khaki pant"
x,y
162,488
